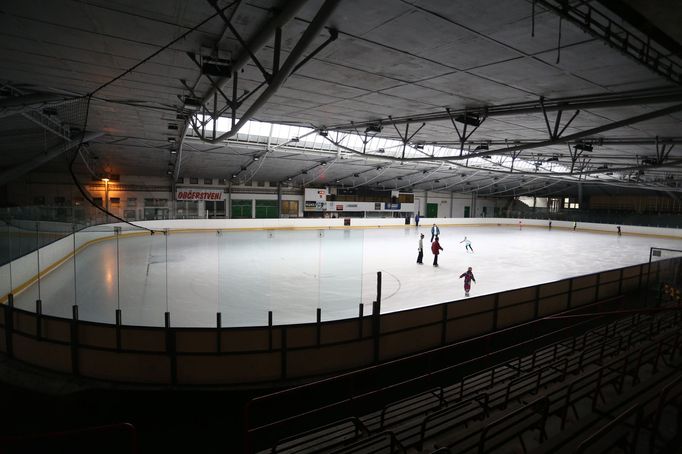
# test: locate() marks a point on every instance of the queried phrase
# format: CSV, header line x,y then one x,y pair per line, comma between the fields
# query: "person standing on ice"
x,y
435,232
467,245
416,219
468,277
435,248
420,248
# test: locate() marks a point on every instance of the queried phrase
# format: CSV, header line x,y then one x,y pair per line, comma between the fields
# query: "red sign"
x,y
339,207
199,194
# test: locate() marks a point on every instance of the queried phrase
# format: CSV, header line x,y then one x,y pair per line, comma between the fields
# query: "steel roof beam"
x,y
22,169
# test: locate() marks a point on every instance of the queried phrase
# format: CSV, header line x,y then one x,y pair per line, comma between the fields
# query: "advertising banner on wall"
x,y
315,199
182,194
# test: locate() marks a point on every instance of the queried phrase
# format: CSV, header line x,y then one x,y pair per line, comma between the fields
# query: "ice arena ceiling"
x,y
504,98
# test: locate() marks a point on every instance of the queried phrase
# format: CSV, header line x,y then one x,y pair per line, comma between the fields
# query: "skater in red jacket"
x,y
468,277
435,248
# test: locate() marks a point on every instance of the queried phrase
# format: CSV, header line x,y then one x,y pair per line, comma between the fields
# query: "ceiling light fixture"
x,y
376,128
583,147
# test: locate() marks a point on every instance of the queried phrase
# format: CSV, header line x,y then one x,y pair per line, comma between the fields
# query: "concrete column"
x,y
452,200
228,201
279,200
426,203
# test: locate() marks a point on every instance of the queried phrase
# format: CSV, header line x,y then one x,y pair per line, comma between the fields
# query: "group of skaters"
x,y
468,275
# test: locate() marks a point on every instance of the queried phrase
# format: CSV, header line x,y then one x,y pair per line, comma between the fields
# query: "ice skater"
x,y
550,225
416,219
619,232
435,248
435,232
467,245
575,225
468,277
420,248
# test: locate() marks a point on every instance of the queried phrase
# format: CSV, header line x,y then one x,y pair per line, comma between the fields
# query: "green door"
x,y
266,209
241,209
431,210
467,212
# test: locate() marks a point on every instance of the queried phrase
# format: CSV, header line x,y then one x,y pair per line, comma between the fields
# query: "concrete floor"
x,y
245,274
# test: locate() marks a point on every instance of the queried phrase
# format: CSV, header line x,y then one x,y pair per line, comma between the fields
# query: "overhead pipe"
x,y
287,68
22,169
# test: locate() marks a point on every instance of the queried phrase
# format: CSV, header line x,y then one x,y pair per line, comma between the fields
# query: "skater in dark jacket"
x,y
435,248
420,248
468,277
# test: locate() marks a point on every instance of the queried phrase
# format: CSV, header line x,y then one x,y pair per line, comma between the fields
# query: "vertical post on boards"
x,y
496,310
319,326
119,322
9,325
39,319
270,330
74,341
569,299
219,331
361,321
170,348
376,319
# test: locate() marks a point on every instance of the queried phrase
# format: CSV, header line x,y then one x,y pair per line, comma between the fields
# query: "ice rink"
x,y
245,274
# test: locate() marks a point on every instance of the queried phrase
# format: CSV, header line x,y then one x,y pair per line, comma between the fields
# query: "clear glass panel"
x,y
25,269
295,275
193,278
245,295
95,276
341,259
142,276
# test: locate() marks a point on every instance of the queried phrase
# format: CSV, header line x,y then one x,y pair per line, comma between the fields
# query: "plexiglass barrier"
x,y
241,277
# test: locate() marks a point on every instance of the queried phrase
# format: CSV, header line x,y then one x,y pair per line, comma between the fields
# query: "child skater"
x,y
468,277
467,245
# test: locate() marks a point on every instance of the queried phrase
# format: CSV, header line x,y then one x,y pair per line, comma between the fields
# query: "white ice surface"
x,y
247,273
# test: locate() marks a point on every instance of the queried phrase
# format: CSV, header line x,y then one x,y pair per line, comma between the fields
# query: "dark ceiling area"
x,y
499,98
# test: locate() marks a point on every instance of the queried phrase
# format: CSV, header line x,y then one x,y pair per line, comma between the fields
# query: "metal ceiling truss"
x,y
211,107
600,101
552,141
646,51
466,120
